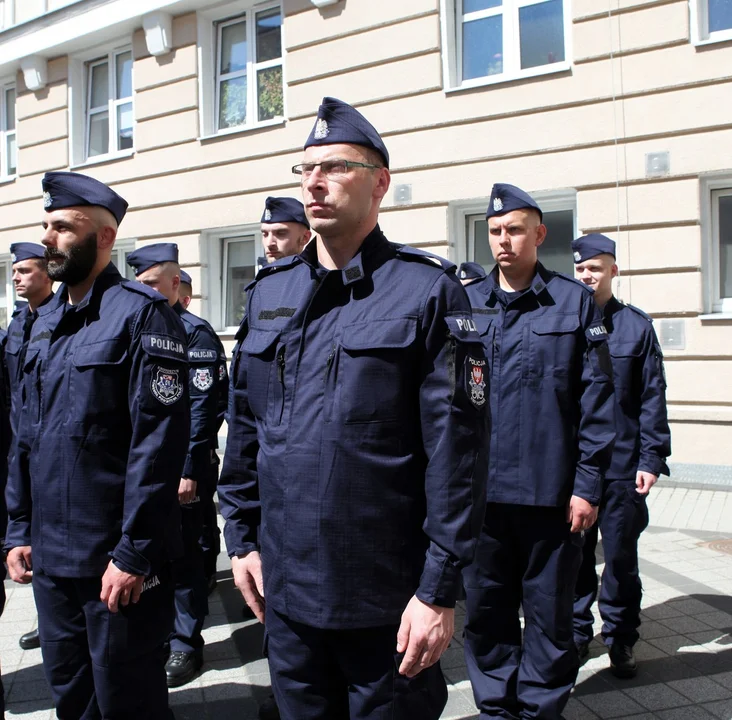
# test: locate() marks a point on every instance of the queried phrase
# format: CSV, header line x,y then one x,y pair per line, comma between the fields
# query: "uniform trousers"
x,y
3,573
623,517
191,592
102,665
526,556
210,534
346,674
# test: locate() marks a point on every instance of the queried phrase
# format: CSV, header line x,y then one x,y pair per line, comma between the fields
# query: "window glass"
x,y
720,15
541,30
240,268
725,246
483,47
233,47
269,35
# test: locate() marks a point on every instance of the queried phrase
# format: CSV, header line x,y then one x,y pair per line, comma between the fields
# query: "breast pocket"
x,y
376,371
266,374
625,358
553,345
98,384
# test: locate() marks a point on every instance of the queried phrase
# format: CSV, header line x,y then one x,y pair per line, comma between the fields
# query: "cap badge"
x,y
47,200
577,256
13,257
463,274
321,129
267,215
497,204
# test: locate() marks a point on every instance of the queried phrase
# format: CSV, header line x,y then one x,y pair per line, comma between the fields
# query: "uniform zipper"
x,y
281,378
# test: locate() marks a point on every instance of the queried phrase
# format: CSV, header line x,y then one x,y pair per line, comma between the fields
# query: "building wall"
x,y
636,86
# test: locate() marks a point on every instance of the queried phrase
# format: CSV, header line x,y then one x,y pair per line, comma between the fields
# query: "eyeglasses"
x,y
330,168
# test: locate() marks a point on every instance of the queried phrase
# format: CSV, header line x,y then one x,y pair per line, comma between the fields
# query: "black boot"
x,y
622,662
30,641
182,667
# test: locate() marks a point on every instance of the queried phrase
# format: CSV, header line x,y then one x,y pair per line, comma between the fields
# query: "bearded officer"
x,y
642,445
285,228
31,282
552,433
157,267
92,492
358,416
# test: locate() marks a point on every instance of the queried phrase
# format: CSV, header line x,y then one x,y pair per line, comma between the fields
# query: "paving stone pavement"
x,y
685,651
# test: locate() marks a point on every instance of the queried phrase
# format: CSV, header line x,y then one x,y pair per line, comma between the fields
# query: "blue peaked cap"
x,y
592,245
338,122
70,189
27,251
186,278
146,257
470,271
506,198
284,209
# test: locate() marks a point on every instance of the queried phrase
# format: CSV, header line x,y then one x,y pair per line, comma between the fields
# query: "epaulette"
x,y
142,289
640,312
284,263
408,252
193,319
584,286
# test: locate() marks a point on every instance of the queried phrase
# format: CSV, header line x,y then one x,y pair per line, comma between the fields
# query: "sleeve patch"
x,y
475,370
202,355
203,378
596,331
463,328
166,385
164,346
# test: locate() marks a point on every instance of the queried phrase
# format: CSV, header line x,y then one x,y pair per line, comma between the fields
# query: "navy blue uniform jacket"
x,y
358,435
552,399
102,436
643,437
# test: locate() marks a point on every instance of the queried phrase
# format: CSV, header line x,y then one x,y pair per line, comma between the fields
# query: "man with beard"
x,y
285,228
93,512
157,267
357,425
31,281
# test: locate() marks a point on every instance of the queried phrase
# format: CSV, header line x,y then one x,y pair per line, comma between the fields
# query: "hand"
x,y
20,564
644,481
119,587
424,634
247,572
187,491
581,514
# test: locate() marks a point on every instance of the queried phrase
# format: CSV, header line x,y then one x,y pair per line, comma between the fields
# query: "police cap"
x,y
27,251
70,189
589,246
146,257
506,198
284,209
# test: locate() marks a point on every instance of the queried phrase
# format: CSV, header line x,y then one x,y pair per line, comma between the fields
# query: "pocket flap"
x,y
100,353
30,358
550,324
626,349
258,341
388,333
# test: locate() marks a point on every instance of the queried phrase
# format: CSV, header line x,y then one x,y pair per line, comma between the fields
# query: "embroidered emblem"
x,y
166,385
203,379
497,204
150,582
476,381
13,257
463,274
267,215
321,129
222,371
47,200
577,257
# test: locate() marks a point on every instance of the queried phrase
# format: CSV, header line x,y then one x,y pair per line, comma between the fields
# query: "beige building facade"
x,y
615,114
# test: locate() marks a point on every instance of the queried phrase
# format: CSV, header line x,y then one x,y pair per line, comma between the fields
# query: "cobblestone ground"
x,y
685,653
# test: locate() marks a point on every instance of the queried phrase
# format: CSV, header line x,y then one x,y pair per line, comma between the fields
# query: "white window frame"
x,y
710,188
5,134
699,21
7,261
79,98
210,23
214,247
452,44
462,237
119,252
7,14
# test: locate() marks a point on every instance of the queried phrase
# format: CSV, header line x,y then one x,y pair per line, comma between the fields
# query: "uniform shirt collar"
x,y
107,277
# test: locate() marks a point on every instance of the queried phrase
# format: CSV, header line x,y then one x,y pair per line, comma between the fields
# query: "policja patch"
x,y
476,380
166,386
203,379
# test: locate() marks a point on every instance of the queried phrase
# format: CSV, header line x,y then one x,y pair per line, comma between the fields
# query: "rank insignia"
x,y
497,204
203,379
476,381
267,215
321,129
166,386
47,200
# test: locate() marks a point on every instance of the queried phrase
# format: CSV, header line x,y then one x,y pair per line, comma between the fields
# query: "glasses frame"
x,y
350,164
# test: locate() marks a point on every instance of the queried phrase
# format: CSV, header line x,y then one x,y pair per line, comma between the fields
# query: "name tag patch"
x,y
202,355
163,346
166,385
596,332
476,380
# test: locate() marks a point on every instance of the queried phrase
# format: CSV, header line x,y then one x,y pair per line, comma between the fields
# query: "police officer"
x,y
157,267
285,228
185,291
552,433
92,492
469,272
356,421
31,282
642,445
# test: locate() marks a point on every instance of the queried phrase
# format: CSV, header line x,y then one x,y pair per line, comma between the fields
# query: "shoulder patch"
x,y
198,355
407,252
166,385
163,346
639,312
462,327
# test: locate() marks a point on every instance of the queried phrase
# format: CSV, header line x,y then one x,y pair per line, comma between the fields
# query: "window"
x,y
721,264
7,293
240,267
119,258
7,15
498,40
8,144
711,20
249,69
109,110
